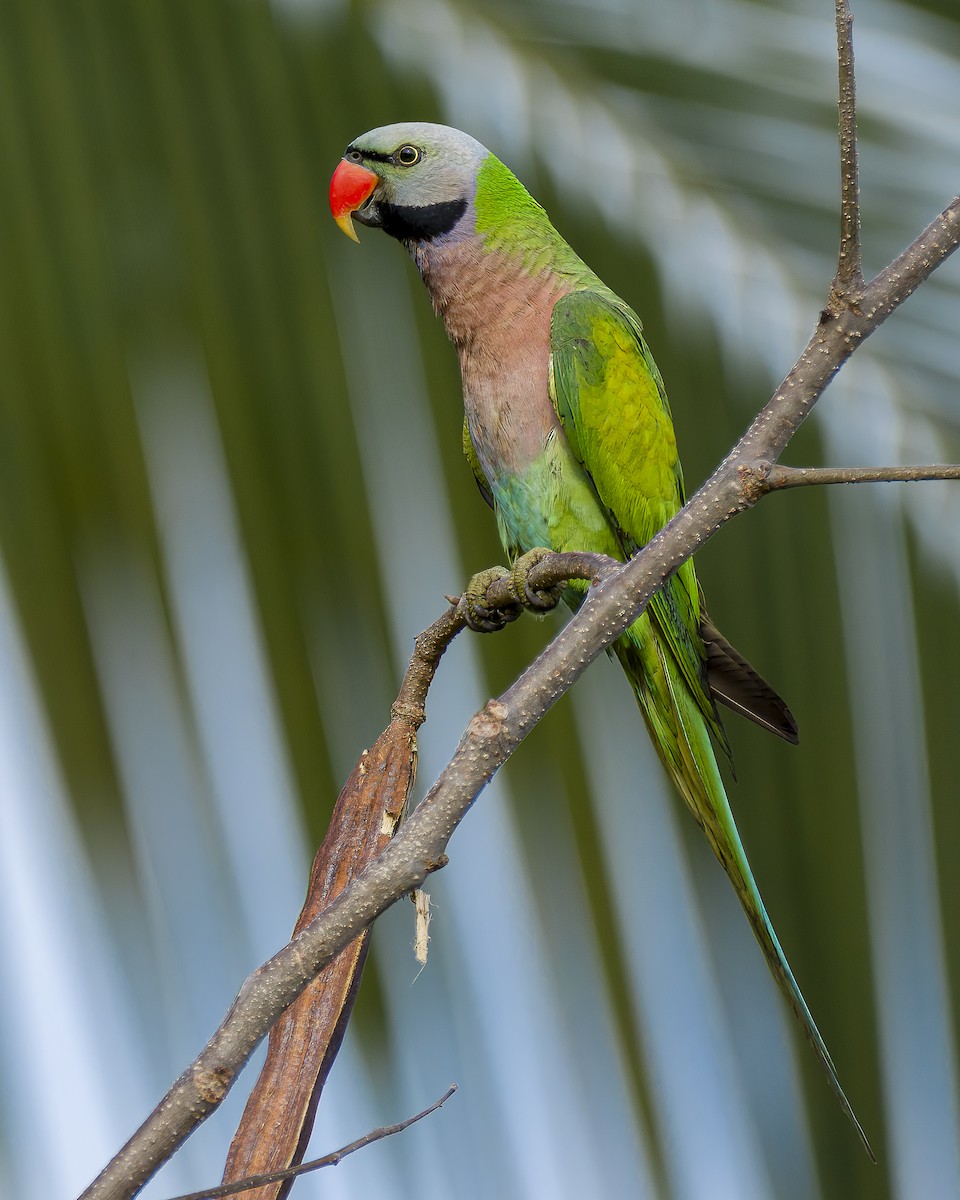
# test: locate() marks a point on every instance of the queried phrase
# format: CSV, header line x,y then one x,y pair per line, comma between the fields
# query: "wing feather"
x,y
611,402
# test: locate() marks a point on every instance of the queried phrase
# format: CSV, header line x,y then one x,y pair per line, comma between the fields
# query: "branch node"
x,y
487,725
407,713
212,1085
753,478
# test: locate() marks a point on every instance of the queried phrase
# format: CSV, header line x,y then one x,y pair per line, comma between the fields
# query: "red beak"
x,y
349,187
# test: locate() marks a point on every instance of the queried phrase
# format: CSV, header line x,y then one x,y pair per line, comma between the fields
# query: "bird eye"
x,y
408,155
354,156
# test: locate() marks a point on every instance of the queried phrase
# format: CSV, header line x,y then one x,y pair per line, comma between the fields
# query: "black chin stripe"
x,y
420,224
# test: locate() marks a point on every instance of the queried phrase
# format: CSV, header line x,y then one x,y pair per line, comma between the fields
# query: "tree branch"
x,y
848,281
419,847
277,1120
379,784
779,477
831,344
328,1160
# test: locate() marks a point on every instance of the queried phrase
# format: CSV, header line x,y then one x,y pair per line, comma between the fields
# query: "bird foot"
x,y
480,618
483,619
536,601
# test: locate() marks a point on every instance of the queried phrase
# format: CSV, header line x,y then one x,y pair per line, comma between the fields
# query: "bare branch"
x,y
380,783
419,847
908,270
848,281
493,734
779,477
832,343
277,1120
328,1160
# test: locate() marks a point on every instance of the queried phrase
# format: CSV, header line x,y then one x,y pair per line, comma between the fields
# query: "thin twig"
x,y
848,282
779,477
328,1160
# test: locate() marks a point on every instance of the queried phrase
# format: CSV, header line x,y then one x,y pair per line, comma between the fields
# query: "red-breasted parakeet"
x,y
568,431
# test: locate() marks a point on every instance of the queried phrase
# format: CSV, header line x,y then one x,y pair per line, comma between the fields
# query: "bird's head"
x,y
414,180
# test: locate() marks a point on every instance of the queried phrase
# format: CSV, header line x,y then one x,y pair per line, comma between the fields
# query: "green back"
x,y
611,401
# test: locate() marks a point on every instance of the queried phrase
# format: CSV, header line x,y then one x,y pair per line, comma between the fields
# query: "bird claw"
x,y
479,617
483,619
536,601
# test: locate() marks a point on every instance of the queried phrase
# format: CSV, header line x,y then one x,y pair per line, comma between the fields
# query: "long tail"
x,y
680,735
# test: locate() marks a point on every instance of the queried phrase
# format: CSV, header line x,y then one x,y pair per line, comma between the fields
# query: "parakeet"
x,y
569,434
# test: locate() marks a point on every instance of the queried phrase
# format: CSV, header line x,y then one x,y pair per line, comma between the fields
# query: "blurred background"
x,y
231,492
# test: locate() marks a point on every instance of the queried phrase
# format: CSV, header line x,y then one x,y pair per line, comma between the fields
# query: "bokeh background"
x,y
231,492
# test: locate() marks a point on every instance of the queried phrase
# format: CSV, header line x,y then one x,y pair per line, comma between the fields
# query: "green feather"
x,y
611,401
511,221
610,398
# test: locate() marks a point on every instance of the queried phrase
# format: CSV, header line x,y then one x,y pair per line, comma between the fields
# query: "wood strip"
x,y
278,1119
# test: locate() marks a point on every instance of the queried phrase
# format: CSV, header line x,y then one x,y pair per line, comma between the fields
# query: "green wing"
x,y
611,402
609,397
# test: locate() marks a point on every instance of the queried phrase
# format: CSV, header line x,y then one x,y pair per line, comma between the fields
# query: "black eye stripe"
x,y
369,155
380,157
